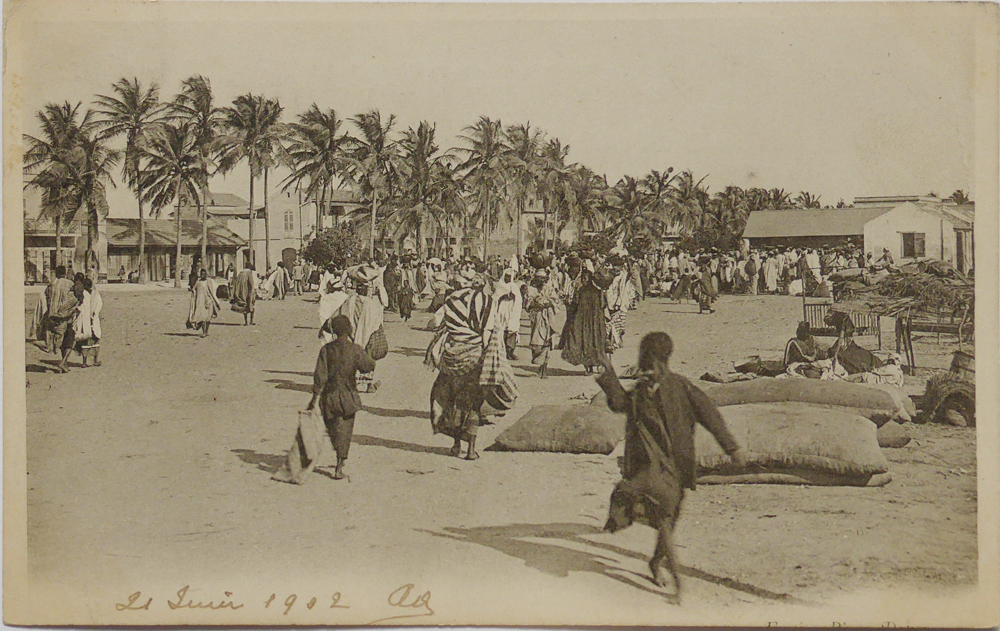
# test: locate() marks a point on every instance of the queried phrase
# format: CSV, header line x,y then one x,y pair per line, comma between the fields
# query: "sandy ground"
x,y
158,464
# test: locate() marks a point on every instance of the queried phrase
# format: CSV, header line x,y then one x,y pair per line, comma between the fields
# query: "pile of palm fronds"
x,y
920,290
948,391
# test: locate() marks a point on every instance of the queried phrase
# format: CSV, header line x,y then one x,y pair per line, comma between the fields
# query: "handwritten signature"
x,y
407,597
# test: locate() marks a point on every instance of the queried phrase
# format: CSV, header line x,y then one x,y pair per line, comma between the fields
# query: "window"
x,y
289,223
913,245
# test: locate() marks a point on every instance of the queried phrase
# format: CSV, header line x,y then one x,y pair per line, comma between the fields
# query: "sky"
x,y
838,100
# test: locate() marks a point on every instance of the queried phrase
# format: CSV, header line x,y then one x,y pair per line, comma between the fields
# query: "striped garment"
x,y
462,319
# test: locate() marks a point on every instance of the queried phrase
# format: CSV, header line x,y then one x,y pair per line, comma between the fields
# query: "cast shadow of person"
x,y
559,560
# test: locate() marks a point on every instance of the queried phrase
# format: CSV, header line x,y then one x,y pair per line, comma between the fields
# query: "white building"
x,y
917,230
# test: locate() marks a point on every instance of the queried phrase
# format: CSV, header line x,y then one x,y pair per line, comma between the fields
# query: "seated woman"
x,y
803,347
855,359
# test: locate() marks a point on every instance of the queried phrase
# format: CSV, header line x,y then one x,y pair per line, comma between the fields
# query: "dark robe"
x,y
335,385
584,336
659,432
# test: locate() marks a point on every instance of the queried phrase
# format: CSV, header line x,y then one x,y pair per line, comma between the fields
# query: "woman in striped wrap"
x,y
457,353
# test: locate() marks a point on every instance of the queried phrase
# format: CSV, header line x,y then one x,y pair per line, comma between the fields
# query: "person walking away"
x,y
660,460
704,289
62,307
751,272
335,387
243,294
204,304
297,279
332,297
541,306
87,328
457,351
366,314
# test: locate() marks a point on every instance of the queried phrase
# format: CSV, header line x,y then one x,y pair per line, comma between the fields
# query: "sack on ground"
x,y
575,429
878,404
308,447
892,435
794,443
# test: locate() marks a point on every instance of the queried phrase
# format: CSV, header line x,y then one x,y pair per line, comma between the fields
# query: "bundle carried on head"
x,y
949,391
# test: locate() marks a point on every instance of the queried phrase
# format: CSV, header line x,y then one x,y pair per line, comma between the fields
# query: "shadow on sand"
x,y
268,463
285,384
393,413
559,560
409,352
373,441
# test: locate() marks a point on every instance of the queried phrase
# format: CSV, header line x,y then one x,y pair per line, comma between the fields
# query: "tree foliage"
x,y
340,246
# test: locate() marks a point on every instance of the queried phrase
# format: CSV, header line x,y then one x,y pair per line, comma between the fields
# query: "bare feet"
x,y
456,451
472,455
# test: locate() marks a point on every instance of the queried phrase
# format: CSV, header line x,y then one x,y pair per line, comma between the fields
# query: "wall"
x,y
886,231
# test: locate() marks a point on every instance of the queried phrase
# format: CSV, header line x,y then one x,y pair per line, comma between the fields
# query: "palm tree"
x,y
485,171
589,192
174,172
318,153
374,161
807,200
524,164
195,105
248,135
688,202
778,199
131,112
71,164
555,185
960,198
424,183
93,175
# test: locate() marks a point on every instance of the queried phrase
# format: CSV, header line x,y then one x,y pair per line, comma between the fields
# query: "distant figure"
x,y
243,294
87,328
584,338
297,278
541,307
404,296
335,387
204,305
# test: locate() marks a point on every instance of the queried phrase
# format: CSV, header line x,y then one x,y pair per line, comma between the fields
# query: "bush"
x,y
341,246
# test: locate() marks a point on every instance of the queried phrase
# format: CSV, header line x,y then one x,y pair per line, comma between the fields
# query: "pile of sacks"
x,y
794,431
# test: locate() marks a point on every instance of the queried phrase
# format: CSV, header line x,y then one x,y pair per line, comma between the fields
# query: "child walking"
x,y
660,460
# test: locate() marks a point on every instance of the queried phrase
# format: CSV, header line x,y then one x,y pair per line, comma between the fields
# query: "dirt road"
x,y
158,464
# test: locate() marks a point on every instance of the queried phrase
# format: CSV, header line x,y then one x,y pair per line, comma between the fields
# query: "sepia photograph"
x,y
347,314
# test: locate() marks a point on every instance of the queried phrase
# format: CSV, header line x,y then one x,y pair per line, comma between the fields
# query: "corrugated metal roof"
x,y
124,232
829,222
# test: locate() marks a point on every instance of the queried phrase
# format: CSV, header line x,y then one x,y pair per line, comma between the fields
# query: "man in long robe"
x,y
62,307
243,294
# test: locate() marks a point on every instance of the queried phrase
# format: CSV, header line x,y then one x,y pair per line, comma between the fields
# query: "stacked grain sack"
x,y
806,431
794,431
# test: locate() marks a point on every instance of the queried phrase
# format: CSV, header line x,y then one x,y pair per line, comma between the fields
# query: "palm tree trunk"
x,y
486,227
177,260
421,248
545,225
267,227
203,204
374,206
252,257
520,211
142,237
58,240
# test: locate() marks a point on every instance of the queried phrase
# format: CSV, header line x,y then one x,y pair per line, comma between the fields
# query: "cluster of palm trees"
x,y
404,180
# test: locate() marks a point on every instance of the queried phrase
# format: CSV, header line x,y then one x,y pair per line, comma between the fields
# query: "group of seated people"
x,y
844,359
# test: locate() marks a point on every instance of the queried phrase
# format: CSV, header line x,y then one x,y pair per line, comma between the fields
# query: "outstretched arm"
x,y
617,397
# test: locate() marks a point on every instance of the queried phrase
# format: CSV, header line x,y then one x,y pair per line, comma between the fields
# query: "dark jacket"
x,y
334,380
661,419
